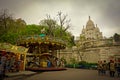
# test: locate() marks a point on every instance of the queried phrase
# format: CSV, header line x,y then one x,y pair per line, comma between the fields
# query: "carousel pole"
x,y
24,61
59,53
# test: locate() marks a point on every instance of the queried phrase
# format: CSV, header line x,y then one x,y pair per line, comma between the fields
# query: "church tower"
x,y
91,32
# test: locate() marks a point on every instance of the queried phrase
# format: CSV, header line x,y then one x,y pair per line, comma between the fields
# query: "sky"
x,y
104,13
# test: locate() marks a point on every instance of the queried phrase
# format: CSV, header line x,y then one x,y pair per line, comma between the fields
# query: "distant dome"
x,y
90,24
91,32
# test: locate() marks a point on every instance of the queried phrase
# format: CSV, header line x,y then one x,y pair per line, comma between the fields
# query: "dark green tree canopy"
x,y
116,37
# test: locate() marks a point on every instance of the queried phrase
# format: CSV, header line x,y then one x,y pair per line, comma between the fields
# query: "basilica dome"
x,y
90,24
91,31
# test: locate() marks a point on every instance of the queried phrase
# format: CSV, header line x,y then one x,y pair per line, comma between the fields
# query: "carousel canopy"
x,y
41,40
12,48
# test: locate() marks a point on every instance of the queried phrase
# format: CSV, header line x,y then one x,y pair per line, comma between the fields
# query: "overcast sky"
x,y
104,13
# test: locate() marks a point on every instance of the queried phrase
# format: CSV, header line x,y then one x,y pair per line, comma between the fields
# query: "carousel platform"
x,y
46,69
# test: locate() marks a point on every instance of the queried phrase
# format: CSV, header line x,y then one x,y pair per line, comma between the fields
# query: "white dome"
x,y
90,24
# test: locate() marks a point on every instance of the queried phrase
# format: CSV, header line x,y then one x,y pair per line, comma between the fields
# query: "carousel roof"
x,y
7,47
42,39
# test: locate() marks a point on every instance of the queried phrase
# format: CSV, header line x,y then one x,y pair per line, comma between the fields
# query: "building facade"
x,y
93,46
91,31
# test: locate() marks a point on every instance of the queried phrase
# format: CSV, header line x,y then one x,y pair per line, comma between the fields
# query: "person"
x,y
58,62
112,68
18,64
62,63
2,65
1,72
118,68
99,67
7,63
104,67
48,63
12,63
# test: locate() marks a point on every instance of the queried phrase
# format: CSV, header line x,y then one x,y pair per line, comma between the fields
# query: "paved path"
x,y
69,74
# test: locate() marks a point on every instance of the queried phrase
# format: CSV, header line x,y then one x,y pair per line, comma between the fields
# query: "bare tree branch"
x,y
63,20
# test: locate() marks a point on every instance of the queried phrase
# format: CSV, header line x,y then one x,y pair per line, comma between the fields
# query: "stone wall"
x,y
92,55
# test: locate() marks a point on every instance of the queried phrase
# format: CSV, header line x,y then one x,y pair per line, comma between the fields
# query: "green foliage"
x,y
9,37
10,28
116,37
64,60
13,29
82,65
66,36
58,28
73,60
69,65
82,62
31,30
109,42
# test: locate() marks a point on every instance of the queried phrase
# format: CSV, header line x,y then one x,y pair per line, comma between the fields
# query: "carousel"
x,y
43,52
15,57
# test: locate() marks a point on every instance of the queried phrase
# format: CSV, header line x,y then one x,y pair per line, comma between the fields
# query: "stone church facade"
x,y
95,46
91,31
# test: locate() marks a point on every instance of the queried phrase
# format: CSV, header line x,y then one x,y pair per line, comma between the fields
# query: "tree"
x,y
10,28
58,28
21,22
51,23
63,20
31,30
5,20
63,23
73,60
116,37
64,26
81,47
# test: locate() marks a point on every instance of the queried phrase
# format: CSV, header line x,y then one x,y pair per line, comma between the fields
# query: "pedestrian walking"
x,y
99,67
112,68
118,68
104,67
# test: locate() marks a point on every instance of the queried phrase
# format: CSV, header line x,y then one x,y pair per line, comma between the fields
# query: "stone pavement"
x,y
69,74
21,73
